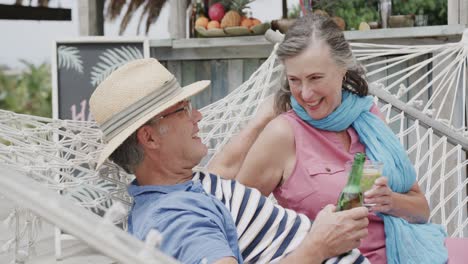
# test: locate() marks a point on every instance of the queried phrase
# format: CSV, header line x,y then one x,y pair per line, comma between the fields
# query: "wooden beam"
x,y
215,53
91,17
177,26
439,129
457,12
452,12
34,13
464,12
285,8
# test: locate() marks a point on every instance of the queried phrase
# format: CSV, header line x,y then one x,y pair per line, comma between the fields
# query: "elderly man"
x,y
151,131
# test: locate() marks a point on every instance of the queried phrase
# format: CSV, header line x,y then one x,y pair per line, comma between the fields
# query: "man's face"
x,y
177,127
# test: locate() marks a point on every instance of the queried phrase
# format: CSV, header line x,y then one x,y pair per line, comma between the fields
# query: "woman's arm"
x,y
227,162
411,206
265,164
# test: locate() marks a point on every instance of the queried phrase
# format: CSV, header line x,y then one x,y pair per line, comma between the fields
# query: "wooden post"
x,y
457,12
285,8
91,17
464,12
177,11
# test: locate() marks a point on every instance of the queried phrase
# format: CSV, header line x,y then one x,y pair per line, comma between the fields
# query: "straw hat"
x,y
131,96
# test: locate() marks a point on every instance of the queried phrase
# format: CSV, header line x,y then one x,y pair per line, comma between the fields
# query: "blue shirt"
x,y
194,224
210,217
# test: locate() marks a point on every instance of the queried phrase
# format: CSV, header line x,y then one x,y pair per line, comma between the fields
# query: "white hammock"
x,y
61,154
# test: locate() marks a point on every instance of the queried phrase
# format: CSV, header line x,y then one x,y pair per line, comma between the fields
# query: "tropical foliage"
x,y
357,11
112,59
435,9
69,58
28,92
151,10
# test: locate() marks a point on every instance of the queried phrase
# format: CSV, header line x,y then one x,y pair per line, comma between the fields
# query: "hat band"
x,y
120,121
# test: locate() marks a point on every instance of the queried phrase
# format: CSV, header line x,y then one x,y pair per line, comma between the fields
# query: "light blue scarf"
x,y
405,242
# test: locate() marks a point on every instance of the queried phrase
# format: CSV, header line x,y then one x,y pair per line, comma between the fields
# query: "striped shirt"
x,y
266,231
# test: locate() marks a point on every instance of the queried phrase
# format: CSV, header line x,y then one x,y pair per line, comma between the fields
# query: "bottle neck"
x,y
354,178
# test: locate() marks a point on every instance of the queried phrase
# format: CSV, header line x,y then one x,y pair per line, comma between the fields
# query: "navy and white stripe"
x,y
267,232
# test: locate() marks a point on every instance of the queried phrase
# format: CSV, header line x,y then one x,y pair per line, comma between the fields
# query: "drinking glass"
x,y
371,171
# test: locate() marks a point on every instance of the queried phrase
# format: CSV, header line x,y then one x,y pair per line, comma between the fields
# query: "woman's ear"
x,y
147,137
344,73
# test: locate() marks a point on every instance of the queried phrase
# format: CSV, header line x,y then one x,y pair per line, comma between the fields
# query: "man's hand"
x,y
334,233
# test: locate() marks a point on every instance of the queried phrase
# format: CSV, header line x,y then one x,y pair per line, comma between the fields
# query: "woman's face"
x,y
315,80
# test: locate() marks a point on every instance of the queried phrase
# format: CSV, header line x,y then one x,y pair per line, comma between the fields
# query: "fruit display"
x,y
216,12
229,18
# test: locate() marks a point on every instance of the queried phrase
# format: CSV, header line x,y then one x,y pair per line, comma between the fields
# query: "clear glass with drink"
x,y
371,171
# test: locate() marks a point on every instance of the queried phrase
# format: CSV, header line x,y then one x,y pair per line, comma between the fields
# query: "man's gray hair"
x,y
302,34
130,153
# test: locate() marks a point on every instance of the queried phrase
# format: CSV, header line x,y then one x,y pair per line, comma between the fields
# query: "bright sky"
x,y
33,40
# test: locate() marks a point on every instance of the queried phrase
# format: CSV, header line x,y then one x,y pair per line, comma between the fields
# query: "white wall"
x,y
32,40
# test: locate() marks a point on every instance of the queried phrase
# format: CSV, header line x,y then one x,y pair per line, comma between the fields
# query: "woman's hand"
x,y
380,195
411,206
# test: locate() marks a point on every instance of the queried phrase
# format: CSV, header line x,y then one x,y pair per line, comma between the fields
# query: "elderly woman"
x,y
325,118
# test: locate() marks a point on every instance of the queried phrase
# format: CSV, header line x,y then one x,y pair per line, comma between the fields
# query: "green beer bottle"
x,y
351,196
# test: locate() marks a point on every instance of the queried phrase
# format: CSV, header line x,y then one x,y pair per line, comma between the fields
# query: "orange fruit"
x,y
246,23
255,22
213,24
201,22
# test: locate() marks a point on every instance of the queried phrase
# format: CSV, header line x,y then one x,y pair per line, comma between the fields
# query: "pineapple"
x,y
234,16
231,19
239,6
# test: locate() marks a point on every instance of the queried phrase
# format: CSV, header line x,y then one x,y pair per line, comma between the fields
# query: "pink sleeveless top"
x,y
319,176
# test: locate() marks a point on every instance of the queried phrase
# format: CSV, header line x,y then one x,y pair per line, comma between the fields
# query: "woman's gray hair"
x,y
130,153
301,35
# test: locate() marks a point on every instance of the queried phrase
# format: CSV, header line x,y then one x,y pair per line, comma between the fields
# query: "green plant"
x,y
29,92
357,11
352,11
294,12
436,10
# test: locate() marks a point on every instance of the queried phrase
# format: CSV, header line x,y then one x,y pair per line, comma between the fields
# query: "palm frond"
x,y
114,9
151,10
69,58
132,7
110,60
153,13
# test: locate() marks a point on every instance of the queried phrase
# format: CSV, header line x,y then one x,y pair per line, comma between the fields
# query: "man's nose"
x,y
196,115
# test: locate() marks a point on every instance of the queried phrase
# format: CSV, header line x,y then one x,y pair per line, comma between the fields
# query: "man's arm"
x,y
332,234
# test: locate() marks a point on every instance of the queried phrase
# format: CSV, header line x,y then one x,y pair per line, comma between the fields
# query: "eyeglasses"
x,y
187,108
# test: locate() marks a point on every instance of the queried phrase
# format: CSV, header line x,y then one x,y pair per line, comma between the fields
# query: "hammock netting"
x,y
429,80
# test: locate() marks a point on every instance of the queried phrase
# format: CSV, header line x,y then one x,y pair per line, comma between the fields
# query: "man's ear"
x,y
147,137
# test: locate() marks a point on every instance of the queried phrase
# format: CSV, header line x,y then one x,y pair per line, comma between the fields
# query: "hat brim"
x,y
115,142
